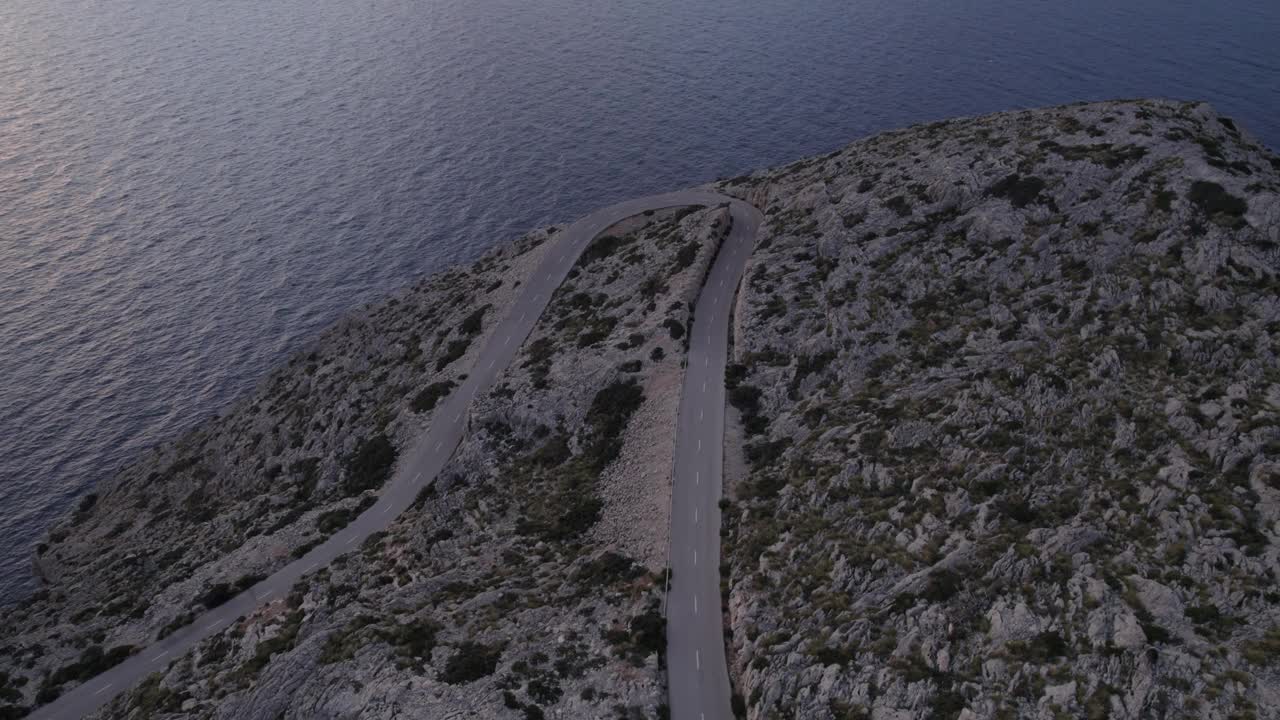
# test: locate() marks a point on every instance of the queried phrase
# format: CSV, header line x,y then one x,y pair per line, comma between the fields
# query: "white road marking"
x,y
704,386
522,316
103,689
386,509
695,604
438,444
697,478
265,595
695,514
695,558
699,444
419,475
535,297
491,362
507,341
353,539
721,283
159,656
697,656
700,412
457,418
312,566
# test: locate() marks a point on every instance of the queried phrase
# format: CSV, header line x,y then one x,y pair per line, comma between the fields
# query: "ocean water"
x,y
190,189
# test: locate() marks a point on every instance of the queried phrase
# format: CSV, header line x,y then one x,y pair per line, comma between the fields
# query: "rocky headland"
x,y
1007,445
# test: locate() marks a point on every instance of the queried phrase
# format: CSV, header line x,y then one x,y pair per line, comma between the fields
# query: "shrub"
x,y
763,453
1214,201
657,353
599,249
426,400
608,569
453,351
471,662
1019,191
370,465
899,205
219,593
674,327
472,323
93,661
686,255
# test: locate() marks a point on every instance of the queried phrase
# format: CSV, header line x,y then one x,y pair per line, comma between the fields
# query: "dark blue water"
x,y
189,189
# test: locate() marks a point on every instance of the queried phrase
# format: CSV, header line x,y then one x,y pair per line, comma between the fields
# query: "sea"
x,y
192,189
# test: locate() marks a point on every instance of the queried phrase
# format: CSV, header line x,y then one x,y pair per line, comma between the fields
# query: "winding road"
x,y
699,681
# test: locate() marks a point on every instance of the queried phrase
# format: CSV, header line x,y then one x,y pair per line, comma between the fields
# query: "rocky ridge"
x,y
1011,393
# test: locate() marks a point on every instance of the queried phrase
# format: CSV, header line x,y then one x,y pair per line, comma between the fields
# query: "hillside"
x,y
1012,405
1006,444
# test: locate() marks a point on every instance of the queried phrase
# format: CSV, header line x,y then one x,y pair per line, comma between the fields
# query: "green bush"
x,y
219,593
685,256
370,465
426,400
1020,191
472,323
1214,201
453,351
93,661
471,662
600,248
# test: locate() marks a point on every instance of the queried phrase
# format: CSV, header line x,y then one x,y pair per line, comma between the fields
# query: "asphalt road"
x,y
698,451
698,678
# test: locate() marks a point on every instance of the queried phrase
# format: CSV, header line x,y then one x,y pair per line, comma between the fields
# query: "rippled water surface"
x,y
189,189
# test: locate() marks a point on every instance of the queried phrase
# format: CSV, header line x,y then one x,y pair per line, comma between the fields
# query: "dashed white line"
x,y
695,558
700,412
695,604
697,478
103,689
266,595
438,444
695,514
353,539
386,509
699,444
507,341
213,625
159,656
491,362
522,316
697,657
312,566
704,386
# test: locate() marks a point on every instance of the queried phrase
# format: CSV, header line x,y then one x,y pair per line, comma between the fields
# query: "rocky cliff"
x,y
1007,401
1011,397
